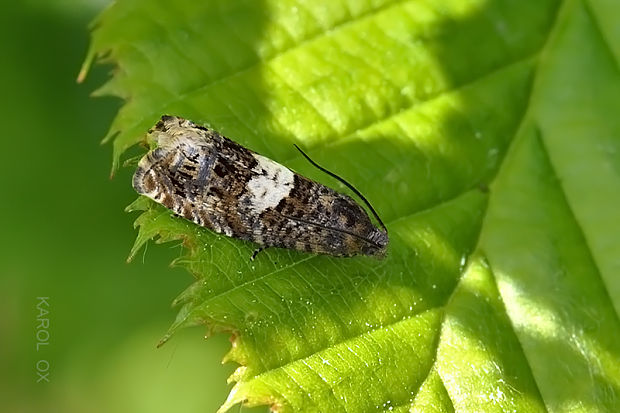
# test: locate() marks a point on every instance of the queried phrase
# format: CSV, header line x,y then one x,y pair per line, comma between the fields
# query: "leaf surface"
x,y
485,134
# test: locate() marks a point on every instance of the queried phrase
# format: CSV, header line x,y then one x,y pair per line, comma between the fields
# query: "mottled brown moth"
x,y
218,184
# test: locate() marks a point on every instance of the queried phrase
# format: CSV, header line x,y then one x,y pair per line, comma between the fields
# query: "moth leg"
x,y
255,253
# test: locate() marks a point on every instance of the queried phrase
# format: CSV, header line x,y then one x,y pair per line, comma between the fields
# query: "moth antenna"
x,y
348,185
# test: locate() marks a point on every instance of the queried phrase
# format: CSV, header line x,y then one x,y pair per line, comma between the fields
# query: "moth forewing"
x,y
217,183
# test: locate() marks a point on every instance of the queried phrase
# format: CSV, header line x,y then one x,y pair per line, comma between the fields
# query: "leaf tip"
x,y
137,245
238,375
141,203
164,339
234,397
85,67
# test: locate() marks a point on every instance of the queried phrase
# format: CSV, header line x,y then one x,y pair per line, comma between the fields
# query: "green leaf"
x,y
484,132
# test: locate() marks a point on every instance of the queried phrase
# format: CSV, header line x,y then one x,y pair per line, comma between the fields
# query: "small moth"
x,y
218,184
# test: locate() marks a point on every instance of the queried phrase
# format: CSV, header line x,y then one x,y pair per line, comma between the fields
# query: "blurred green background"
x,y
65,236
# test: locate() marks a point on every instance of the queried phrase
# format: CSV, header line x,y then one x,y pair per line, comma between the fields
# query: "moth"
x,y
221,185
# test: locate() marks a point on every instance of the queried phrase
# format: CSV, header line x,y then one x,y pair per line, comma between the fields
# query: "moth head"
x,y
171,131
163,131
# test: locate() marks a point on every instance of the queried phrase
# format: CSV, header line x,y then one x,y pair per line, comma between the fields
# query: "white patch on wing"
x,y
272,183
